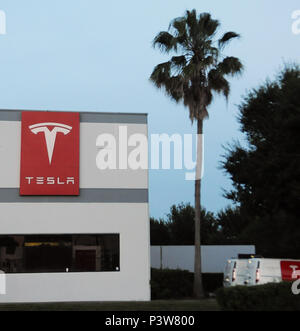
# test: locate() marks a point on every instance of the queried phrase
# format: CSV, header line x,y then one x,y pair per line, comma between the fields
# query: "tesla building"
x,y
74,221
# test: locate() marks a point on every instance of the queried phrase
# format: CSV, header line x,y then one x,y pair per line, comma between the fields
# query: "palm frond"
x,y
213,51
227,37
174,87
207,25
218,83
161,74
208,61
179,25
191,22
230,66
165,42
189,71
178,61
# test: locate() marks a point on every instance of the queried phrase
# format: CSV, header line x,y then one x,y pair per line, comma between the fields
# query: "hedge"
x,y
269,297
178,284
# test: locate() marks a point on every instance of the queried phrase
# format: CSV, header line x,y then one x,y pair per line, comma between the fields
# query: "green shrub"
x,y
269,297
178,284
212,282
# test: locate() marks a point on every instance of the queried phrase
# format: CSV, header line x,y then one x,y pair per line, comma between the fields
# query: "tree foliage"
x,y
266,174
179,227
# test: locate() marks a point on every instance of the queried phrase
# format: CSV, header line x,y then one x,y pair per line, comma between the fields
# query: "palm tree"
x,y
198,69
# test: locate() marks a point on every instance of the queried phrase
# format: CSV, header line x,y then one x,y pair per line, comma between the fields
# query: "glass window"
x,y
59,253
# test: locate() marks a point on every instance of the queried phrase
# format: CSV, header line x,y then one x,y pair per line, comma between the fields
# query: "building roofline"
x,y
75,111
85,116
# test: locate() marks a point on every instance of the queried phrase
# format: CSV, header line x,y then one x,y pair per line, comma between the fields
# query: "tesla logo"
x,y
296,273
50,135
49,153
290,270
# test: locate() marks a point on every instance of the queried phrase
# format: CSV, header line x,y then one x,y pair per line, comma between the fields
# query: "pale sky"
x,y
93,55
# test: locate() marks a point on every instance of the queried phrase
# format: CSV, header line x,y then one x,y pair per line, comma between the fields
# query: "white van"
x,y
263,271
235,272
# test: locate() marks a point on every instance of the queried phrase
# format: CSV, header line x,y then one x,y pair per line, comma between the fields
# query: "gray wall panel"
x,y
11,195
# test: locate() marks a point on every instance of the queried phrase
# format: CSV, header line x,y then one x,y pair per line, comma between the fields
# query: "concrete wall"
x,y
111,201
182,257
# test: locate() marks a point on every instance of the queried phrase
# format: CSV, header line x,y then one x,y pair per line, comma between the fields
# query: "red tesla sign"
x,y
49,153
290,270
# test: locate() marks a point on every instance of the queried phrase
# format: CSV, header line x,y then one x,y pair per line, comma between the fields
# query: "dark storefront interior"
x,y
59,253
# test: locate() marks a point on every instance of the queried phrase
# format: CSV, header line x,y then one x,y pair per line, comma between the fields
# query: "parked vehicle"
x,y
263,271
235,272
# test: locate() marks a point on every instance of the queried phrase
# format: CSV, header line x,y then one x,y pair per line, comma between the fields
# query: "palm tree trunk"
x,y
198,285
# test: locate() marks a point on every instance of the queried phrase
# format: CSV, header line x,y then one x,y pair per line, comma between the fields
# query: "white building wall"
x,y
103,207
131,283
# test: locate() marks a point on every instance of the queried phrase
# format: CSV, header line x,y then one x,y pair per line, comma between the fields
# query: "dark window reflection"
x,y
59,253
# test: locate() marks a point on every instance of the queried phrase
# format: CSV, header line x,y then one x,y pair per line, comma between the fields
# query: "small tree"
x,y
191,77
